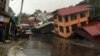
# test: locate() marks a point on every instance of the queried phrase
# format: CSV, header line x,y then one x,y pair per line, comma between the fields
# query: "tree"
x,y
11,12
95,11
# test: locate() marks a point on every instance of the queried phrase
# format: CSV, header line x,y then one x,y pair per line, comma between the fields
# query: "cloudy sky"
x,y
49,5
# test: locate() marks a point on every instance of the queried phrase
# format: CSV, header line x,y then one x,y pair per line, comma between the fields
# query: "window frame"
x,y
83,14
74,26
61,28
60,18
73,16
67,29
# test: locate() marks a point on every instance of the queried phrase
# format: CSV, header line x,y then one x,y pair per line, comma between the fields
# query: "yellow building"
x,y
67,19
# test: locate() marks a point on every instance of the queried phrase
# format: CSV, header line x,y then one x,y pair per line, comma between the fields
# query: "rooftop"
x,y
72,9
90,32
93,29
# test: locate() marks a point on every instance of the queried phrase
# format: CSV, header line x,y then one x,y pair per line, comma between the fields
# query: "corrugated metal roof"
x,y
90,32
72,9
93,29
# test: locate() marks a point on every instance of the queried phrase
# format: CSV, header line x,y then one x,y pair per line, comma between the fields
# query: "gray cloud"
x,y
49,5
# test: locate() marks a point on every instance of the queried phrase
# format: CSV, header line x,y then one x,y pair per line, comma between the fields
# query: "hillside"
x,y
95,11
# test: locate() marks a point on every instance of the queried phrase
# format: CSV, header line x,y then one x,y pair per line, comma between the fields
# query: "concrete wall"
x,y
7,5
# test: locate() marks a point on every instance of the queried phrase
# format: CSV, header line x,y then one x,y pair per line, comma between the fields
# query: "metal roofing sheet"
x,y
93,29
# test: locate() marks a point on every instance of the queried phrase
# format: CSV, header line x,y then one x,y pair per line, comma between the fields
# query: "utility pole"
x,y
20,14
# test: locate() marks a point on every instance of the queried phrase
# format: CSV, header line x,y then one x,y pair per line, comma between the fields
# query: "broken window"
x,y
55,16
83,23
56,25
66,18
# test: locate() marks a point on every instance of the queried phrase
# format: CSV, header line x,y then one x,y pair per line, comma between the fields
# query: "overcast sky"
x,y
49,5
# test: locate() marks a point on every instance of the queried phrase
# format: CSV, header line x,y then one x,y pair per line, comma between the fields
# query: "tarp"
x,y
7,20
4,19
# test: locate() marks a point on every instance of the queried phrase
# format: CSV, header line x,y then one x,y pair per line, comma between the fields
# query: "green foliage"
x,y
81,3
16,20
95,11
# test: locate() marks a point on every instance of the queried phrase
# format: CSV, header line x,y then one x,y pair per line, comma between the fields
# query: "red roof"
x,y
73,9
93,29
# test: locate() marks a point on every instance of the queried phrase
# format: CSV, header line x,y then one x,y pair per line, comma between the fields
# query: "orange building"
x,y
67,19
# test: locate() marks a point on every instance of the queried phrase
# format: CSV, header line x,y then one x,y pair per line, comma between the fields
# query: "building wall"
x,y
4,5
78,21
7,5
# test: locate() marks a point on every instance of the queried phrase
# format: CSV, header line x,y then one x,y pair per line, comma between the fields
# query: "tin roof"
x,y
72,9
90,32
93,29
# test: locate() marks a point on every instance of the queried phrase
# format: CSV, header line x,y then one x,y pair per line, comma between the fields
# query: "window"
x,y
83,23
74,27
73,16
82,14
60,18
66,18
56,25
2,5
61,29
55,16
67,29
